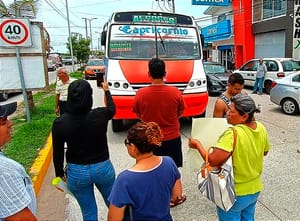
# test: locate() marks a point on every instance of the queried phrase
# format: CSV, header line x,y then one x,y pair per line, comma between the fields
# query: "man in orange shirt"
x,y
164,105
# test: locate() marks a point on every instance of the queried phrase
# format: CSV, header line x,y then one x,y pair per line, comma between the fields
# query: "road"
x,y
279,200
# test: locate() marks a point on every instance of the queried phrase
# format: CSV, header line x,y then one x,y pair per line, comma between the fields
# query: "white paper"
x,y
207,131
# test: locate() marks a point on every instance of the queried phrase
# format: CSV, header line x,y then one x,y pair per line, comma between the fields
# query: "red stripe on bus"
x,y
176,71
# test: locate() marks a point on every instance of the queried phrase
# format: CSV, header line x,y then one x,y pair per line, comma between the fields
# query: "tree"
x,y
80,47
23,8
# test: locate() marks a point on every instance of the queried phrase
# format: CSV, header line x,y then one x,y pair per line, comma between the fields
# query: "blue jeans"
x,y
81,180
242,210
259,82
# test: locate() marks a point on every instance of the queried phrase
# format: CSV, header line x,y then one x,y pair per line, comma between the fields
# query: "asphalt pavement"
x,y
278,201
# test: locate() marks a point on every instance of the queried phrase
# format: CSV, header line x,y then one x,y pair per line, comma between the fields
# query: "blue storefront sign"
x,y
211,2
218,31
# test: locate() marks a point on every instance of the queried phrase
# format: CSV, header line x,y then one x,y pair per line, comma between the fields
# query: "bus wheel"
x,y
117,125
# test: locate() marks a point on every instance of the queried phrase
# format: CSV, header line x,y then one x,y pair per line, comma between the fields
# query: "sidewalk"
x,y
51,203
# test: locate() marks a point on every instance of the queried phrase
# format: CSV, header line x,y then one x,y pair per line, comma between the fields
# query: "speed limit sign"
x,y
15,32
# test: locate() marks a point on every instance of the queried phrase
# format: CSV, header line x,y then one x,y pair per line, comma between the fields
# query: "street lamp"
x,y
90,25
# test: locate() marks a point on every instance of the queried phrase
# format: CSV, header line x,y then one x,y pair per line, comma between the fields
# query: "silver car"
x,y
277,68
286,93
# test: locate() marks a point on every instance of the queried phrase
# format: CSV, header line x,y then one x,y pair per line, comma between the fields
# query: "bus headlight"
x,y
192,84
125,85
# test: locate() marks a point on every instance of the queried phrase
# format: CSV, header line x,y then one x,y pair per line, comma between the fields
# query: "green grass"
x,y
77,74
29,137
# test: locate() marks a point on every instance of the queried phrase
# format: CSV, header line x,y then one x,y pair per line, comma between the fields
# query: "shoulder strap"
x,y
233,145
234,138
225,99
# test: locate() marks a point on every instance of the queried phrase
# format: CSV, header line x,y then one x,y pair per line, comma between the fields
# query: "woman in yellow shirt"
x,y
252,144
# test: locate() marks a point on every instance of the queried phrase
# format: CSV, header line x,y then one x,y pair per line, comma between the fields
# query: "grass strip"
x,y
29,137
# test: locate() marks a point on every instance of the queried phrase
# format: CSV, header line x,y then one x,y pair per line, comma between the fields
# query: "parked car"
x,y
277,68
51,65
217,77
56,59
68,60
94,67
286,93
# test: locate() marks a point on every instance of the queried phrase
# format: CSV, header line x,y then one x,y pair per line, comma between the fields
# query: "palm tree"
x,y
24,9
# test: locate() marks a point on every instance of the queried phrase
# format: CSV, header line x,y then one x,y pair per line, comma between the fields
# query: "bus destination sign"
x,y
154,19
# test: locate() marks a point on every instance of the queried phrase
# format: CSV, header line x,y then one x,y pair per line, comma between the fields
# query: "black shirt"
x,y
85,135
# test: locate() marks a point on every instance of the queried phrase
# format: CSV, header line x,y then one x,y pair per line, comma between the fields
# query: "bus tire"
x,y
117,125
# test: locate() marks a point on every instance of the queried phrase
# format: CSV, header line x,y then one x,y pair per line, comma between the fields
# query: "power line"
x,y
58,11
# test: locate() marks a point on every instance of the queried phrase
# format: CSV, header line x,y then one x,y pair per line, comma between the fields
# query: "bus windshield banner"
x,y
144,30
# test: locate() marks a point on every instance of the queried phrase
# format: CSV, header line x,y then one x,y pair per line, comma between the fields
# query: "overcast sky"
x,y
54,17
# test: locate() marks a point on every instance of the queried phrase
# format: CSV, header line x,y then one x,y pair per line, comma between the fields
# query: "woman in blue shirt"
x,y
144,191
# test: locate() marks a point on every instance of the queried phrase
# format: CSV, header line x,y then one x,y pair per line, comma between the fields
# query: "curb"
x,y
41,164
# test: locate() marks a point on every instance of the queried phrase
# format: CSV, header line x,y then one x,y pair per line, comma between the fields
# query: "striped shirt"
x,y
16,189
62,89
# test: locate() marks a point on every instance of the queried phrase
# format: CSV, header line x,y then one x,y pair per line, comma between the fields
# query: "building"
x,y
259,28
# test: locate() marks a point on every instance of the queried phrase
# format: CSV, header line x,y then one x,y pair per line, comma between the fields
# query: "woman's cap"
x,y
8,109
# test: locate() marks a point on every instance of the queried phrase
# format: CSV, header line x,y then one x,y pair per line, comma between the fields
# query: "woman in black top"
x,y
87,156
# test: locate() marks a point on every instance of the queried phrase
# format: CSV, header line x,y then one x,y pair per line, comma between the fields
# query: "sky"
x,y
54,16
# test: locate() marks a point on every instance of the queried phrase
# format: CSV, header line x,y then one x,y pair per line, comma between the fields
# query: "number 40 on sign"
x,y
15,32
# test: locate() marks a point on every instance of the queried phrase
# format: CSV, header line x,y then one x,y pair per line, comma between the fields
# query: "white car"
x,y
277,68
286,93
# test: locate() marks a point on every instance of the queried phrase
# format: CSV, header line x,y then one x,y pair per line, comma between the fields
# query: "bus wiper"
x,y
162,43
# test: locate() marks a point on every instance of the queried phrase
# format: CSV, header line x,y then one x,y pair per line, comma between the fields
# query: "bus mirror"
x,y
103,38
202,40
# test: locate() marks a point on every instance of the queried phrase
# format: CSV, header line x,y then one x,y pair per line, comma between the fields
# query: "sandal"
x,y
178,201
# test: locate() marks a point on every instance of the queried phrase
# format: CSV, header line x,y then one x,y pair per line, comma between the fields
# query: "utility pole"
x,y
86,31
70,37
90,26
173,6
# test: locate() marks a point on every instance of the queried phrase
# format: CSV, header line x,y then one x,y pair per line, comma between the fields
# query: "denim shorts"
x,y
242,210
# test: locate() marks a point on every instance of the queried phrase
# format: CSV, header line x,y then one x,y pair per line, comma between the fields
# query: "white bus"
x,y
132,38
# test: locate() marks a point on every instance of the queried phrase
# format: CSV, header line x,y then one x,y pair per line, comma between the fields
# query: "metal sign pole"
x,y
23,84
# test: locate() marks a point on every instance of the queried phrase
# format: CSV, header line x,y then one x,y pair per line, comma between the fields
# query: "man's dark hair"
x,y
157,68
236,78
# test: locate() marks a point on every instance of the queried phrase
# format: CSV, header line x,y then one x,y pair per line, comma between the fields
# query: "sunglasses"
x,y
126,142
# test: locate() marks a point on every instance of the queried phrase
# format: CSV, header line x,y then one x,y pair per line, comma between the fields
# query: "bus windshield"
x,y
132,42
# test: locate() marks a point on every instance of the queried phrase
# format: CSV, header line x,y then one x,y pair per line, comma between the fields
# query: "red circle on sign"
x,y
14,42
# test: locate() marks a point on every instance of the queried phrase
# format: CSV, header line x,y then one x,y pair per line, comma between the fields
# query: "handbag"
x,y
217,184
